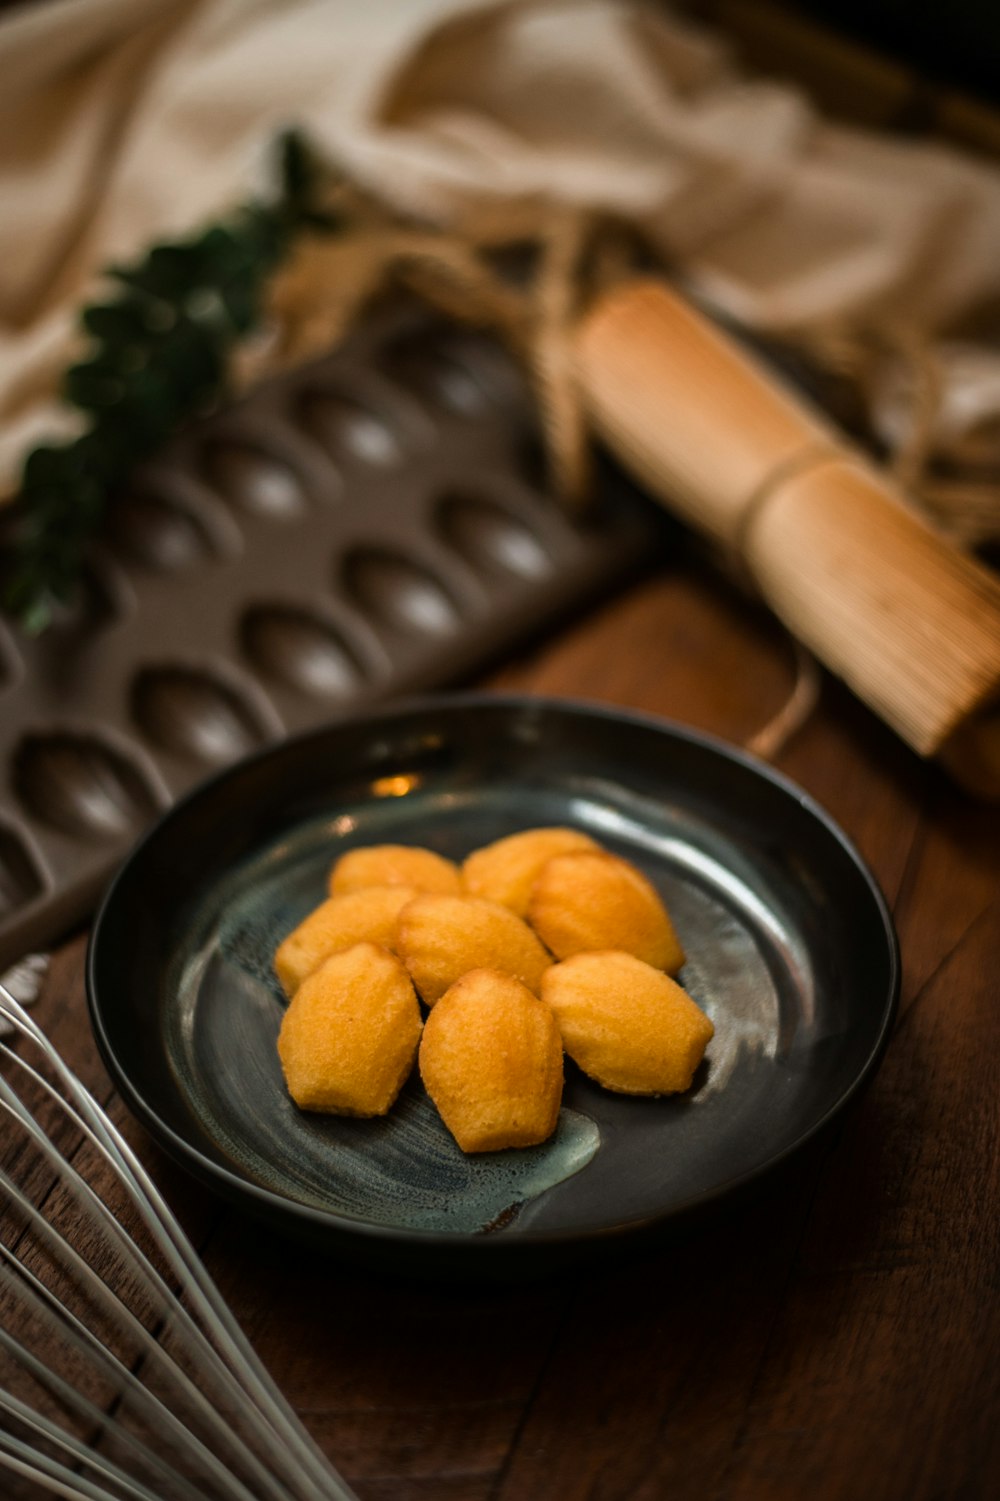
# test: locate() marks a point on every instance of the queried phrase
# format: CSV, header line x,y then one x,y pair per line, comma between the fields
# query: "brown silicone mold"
x,y
367,526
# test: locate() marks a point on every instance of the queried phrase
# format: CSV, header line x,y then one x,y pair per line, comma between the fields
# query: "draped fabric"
x,y
124,121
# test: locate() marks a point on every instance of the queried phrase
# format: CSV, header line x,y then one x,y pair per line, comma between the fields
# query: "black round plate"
x,y
791,952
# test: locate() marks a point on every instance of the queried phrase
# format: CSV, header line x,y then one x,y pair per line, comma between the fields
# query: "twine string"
x,y
572,256
575,254
772,738
964,506
459,273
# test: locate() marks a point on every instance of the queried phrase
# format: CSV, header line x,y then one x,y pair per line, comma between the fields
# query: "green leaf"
x,y
325,221
33,609
47,465
93,389
167,271
160,354
297,167
119,322
242,304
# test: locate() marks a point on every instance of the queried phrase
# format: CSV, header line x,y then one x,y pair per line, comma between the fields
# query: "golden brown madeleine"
x,y
349,1036
581,902
367,916
440,938
394,865
627,1025
491,1060
505,871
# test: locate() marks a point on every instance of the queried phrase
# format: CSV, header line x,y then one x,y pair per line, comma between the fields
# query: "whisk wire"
x,y
220,1325
92,1418
42,1302
149,1347
81,1454
146,1273
21,1459
269,1457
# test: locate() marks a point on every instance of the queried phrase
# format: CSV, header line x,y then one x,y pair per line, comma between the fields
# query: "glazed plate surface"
x,y
791,952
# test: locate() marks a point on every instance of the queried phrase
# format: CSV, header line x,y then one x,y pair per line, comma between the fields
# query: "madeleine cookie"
x,y
367,916
394,865
587,901
505,871
491,1060
627,1025
440,938
349,1036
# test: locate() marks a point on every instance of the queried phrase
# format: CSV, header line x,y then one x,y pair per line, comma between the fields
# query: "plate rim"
x,y
277,1208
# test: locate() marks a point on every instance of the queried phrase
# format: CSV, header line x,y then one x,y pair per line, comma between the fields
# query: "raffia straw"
x,y
909,463
966,511
329,283
553,359
965,507
834,548
794,714
579,255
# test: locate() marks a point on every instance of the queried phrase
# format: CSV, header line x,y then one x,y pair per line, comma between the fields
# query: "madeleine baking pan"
x,y
369,525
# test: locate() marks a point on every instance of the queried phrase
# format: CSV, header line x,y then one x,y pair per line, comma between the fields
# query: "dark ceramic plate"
x,y
791,952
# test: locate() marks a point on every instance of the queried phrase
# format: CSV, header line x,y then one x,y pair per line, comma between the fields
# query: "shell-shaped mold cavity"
x,y
191,713
450,368
145,528
489,537
254,481
80,785
301,650
20,881
399,593
347,428
8,662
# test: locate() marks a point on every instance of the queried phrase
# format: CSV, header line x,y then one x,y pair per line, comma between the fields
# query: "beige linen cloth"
x,y
122,121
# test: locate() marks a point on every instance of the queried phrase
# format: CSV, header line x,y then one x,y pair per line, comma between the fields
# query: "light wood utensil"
x,y
911,624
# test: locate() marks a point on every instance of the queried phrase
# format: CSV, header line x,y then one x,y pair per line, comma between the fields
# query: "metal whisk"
x,y
123,1374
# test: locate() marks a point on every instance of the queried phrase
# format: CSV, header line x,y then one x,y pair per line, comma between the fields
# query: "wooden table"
x,y
834,1340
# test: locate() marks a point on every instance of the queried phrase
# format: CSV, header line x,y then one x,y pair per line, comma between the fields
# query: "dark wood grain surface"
x,y
836,1337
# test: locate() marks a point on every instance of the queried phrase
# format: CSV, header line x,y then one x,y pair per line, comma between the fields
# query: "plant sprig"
x,y
160,353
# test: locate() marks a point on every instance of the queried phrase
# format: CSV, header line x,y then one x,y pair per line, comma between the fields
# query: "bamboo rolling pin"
x,y
911,624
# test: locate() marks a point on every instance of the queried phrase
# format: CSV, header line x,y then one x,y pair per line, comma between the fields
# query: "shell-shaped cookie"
x,y
394,865
350,1035
491,1060
367,916
505,871
626,1024
584,901
440,938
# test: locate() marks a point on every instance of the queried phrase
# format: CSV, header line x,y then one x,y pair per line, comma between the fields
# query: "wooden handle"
x,y
912,624
703,426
